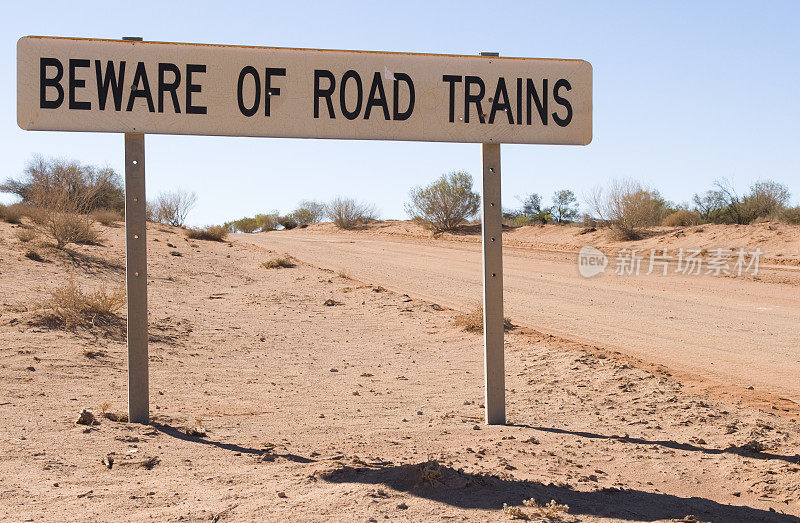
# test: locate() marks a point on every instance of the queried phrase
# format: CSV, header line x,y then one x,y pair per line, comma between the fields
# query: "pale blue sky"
x,y
684,92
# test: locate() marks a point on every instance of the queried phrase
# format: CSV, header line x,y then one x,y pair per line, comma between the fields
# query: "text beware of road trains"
x,y
124,86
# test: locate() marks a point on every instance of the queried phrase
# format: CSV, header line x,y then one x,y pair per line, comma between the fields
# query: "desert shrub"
x,y
683,218
628,207
69,306
11,213
287,222
565,206
520,221
214,233
25,235
790,215
279,262
106,216
62,216
308,211
246,225
348,213
473,321
172,207
102,188
268,222
446,203
766,198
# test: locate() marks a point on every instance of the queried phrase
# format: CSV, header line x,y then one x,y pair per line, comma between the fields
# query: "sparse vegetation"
x,y
473,321
69,306
767,199
214,233
172,207
348,213
446,203
279,262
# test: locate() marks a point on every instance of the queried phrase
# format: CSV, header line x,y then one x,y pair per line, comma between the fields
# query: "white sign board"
x,y
73,84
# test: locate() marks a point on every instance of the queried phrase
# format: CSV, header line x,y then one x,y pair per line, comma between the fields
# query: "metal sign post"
x,y
136,277
493,327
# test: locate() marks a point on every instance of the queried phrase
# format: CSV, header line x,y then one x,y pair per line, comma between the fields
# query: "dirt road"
x,y
734,333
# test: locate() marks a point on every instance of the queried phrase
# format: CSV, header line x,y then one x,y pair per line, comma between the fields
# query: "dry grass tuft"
x,y
279,262
25,235
212,233
551,510
473,321
69,306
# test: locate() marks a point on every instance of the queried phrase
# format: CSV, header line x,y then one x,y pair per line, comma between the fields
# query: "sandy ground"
x,y
722,332
366,410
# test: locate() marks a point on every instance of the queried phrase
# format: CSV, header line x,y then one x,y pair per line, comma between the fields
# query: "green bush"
x,y
446,203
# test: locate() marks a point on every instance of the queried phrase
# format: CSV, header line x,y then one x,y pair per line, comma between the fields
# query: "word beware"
x,y
110,81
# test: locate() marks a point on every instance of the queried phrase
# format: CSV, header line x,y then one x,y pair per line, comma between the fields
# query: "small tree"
x,y
446,203
348,213
565,206
531,205
709,205
172,207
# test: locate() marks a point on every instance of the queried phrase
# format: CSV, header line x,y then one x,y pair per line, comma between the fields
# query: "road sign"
x,y
73,84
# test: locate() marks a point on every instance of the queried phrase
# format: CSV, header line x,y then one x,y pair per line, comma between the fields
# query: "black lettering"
x,y
323,93
452,79
140,77
350,115
404,115
55,81
171,87
469,98
380,100
505,106
76,83
240,91
193,88
109,80
562,122
541,106
519,101
270,91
